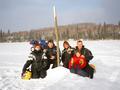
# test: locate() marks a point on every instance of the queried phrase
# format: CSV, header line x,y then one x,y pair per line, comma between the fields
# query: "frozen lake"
x,y
106,59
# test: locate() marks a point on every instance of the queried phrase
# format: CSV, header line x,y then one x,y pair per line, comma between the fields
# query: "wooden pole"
x,y
57,35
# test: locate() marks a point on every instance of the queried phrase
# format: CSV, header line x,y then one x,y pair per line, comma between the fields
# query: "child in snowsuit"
x,y
37,62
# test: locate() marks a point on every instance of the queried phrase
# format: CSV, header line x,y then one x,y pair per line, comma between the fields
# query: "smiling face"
x,y
37,48
50,45
77,54
65,46
79,45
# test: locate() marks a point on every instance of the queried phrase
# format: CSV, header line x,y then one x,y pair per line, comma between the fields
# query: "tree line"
x,y
87,31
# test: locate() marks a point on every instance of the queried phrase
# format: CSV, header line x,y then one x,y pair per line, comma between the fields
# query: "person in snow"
x,y
84,51
79,63
51,54
67,53
38,63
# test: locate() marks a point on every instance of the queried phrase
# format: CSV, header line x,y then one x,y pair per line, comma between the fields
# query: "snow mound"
x,y
10,79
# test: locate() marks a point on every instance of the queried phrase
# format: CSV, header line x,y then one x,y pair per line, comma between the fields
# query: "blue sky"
x,y
19,15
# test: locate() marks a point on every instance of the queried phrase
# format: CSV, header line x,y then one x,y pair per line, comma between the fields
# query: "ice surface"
x,y
106,59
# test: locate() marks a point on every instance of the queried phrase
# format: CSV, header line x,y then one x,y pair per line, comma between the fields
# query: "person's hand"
x,y
52,57
22,74
45,50
82,56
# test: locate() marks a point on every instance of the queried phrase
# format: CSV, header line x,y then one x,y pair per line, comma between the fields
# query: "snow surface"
x,y
106,59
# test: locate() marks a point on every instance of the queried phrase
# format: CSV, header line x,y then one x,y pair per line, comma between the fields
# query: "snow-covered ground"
x,y
106,59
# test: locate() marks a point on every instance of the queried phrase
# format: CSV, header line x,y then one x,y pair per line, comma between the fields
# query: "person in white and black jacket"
x,y
37,61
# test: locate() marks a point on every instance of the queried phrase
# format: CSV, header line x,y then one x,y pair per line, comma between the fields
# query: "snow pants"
x,y
88,71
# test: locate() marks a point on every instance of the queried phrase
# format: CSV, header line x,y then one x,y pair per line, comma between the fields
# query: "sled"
x,y
27,75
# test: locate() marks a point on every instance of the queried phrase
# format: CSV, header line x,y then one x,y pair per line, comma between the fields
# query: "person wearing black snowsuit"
x,y
67,53
88,70
38,64
51,54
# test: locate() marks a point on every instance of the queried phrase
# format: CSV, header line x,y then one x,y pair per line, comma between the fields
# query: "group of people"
x,y
77,59
43,54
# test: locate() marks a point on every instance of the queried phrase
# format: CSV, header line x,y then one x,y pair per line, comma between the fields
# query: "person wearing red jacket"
x,y
78,61
77,64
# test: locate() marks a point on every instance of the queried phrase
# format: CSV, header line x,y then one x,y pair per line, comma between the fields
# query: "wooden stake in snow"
x,y
57,35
